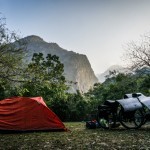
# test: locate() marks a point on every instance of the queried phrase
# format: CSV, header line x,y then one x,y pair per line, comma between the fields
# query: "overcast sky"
x,y
97,28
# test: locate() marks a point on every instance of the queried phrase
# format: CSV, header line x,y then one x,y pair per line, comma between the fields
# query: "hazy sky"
x,y
97,28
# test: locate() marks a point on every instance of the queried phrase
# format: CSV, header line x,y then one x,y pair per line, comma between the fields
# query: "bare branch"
x,y
138,55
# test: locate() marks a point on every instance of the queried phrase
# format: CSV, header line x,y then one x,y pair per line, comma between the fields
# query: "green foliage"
x,y
44,77
114,88
78,107
50,70
60,107
144,84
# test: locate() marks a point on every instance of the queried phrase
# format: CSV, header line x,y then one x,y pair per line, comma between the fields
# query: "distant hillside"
x,y
76,66
102,77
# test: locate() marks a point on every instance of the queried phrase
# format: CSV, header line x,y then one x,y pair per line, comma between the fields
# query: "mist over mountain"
x,y
102,77
76,66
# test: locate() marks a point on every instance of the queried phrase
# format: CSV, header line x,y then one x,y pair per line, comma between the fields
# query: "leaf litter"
x,y
78,138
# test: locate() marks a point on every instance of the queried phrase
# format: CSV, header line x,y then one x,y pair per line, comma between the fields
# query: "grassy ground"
x,y
78,138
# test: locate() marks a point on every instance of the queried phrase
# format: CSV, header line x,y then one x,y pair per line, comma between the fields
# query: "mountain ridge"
x,y
118,68
77,67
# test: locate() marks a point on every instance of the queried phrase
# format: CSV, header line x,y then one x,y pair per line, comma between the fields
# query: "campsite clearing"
x,y
78,138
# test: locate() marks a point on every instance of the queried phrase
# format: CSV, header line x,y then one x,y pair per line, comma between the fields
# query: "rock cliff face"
x,y
76,66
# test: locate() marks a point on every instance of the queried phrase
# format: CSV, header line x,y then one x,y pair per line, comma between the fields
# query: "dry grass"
x,y
78,138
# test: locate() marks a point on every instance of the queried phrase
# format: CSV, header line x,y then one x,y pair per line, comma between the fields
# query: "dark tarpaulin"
x,y
130,104
145,100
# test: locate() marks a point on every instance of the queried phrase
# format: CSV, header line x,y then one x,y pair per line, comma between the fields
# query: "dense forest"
x,y
44,77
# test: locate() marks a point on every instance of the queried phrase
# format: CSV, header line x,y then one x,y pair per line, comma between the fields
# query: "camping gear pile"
x,y
93,124
132,112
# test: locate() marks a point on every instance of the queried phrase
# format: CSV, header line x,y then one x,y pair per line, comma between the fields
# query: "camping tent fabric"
x,y
24,114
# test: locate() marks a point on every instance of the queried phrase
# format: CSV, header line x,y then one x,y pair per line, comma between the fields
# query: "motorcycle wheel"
x,y
131,119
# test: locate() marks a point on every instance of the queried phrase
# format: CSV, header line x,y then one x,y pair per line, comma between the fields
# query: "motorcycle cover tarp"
x,y
145,100
130,104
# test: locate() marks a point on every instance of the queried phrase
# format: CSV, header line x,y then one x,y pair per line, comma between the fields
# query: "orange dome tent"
x,y
27,114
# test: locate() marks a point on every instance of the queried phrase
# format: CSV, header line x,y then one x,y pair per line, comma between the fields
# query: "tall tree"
x,y
40,70
137,55
10,54
44,76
